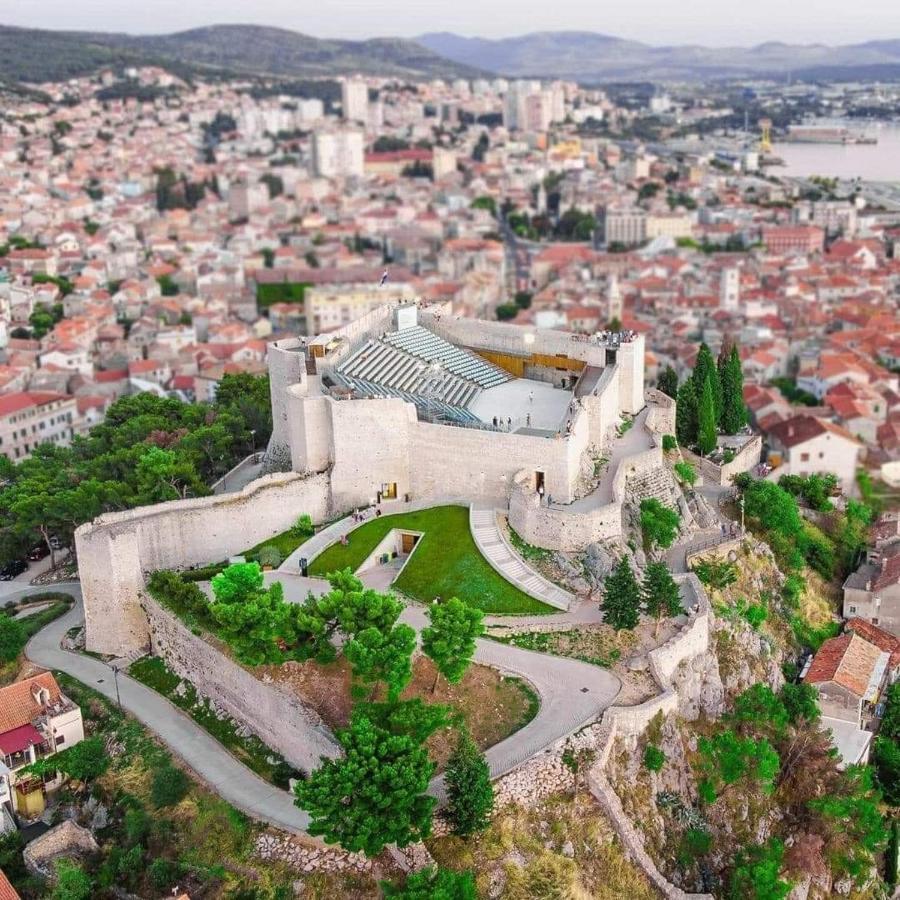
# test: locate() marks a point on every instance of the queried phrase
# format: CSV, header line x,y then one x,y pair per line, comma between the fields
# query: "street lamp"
x,y
116,679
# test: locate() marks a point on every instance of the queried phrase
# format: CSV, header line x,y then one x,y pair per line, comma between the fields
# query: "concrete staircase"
x,y
495,549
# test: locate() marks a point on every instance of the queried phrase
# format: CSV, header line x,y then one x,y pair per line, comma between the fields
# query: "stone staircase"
x,y
495,549
659,484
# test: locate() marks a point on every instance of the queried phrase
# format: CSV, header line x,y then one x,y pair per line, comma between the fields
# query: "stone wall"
x,y
661,419
745,459
117,550
691,641
276,716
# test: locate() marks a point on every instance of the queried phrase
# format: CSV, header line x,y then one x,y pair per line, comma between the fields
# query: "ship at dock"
x,y
826,134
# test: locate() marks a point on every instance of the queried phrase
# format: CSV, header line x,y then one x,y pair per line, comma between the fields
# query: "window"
x,y
852,609
875,620
804,457
60,740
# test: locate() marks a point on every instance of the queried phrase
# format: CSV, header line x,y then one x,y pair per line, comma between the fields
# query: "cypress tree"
x,y
706,420
704,368
662,596
686,414
470,794
621,602
668,382
734,411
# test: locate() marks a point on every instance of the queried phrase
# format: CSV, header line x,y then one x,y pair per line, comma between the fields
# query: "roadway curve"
x,y
572,694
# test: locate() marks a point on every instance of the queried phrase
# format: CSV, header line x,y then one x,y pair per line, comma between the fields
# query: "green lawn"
x,y
447,563
286,543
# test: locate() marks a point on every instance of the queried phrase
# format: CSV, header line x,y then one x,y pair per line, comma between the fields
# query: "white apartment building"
x,y
355,100
338,154
624,226
29,418
329,307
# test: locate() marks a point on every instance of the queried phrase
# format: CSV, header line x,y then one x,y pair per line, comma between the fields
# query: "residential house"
x,y
872,592
36,720
806,445
850,674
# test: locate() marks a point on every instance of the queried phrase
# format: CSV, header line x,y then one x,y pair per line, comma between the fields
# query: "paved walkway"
x,y
494,548
229,778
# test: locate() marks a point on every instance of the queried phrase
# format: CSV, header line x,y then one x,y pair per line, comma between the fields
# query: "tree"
x,y
621,597
773,507
12,638
433,884
705,369
470,795
375,794
449,641
727,759
734,410
378,656
660,593
169,786
686,414
886,761
659,523
800,702
259,626
760,708
755,875
668,382
83,761
72,882
164,475
706,420
237,583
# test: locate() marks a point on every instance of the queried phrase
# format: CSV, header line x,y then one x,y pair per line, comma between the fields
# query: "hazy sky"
x,y
710,22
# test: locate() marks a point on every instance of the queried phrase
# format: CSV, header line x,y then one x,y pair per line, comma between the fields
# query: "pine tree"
x,y
686,414
621,602
704,368
668,382
470,795
734,411
706,420
661,594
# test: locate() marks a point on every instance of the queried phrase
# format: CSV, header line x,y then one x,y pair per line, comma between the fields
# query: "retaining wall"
x,y
117,550
276,716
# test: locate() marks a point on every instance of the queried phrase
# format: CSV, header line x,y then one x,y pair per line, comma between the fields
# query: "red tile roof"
x,y
12,403
17,704
882,639
848,660
7,891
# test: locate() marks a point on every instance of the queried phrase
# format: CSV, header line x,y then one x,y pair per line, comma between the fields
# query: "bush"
x,y
163,873
72,882
12,638
269,555
669,442
654,758
715,573
659,523
755,614
182,596
303,527
168,787
685,472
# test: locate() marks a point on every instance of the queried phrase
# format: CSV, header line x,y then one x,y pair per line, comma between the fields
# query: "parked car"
x,y
38,552
11,569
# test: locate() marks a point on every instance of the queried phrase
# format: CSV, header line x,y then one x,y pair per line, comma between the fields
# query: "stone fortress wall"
x,y
547,774
274,715
117,550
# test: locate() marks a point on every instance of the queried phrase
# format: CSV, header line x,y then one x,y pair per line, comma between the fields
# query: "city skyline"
x,y
648,21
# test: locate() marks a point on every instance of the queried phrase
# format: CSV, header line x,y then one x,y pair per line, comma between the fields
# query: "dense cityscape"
x,y
422,480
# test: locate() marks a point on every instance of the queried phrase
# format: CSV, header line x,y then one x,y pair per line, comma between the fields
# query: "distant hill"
x,y
33,55
591,57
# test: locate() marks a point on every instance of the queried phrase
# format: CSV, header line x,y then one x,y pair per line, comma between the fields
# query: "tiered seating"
x,y
384,365
425,345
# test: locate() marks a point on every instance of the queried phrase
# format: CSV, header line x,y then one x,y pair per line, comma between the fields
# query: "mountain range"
x,y
592,57
35,55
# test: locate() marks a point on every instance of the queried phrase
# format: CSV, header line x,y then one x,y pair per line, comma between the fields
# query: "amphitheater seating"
x,y
423,344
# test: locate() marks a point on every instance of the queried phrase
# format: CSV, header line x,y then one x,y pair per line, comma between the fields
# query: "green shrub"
x,y
715,573
163,873
669,443
12,638
654,758
685,472
169,786
303,527
203,573
755,614
182,596
269,556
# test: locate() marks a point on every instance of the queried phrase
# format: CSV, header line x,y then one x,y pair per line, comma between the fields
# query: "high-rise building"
x,y
338,154
355,100
624,226
528,107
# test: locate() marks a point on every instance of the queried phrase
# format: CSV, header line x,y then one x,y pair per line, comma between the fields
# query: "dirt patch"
x,y
492,705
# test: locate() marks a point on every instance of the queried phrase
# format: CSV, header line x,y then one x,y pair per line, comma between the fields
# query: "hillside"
x,y
588,56
33,56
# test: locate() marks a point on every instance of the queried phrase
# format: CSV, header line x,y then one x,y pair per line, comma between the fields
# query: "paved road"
x,y
572,693
207,757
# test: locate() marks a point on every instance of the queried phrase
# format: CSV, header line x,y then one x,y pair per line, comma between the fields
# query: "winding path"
x,y
572,694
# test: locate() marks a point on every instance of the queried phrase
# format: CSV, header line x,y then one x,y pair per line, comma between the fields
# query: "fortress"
x,y
408,404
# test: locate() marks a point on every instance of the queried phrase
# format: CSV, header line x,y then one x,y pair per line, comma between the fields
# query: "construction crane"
x,y
765,136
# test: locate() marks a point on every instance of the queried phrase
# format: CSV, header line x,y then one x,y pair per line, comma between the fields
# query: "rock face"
x,y
66,839
699,687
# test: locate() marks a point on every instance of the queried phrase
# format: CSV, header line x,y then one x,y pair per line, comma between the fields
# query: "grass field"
x,y
445,564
